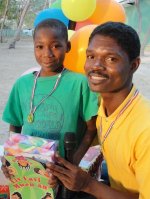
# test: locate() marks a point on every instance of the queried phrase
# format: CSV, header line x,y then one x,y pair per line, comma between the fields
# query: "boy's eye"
x,y
55,46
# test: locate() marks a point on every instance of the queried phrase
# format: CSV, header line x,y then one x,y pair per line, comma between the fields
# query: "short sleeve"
x,y
13,113
89,105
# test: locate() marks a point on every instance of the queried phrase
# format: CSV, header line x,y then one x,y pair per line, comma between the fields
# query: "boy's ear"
x,y
135,64
68,46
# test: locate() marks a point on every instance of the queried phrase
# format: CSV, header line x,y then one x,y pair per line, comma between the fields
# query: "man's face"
x,y
49,49
107,66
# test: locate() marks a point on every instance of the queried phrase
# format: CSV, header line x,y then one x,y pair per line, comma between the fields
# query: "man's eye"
x,y
111,59
90,57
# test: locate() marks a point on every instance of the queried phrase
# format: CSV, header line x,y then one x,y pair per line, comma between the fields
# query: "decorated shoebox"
x,y
91,162
25,159
39,149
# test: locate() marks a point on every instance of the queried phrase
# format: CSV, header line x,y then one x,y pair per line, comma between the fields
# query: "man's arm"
x,y
102,191
87,140
76,179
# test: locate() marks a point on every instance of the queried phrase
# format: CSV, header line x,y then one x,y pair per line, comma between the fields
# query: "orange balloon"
x,y
108,10
75,59
82,24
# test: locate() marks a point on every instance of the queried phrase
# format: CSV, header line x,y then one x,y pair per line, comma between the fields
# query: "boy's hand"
x,y
7,172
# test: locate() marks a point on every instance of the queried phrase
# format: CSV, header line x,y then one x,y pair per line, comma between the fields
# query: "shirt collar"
x,y
101,111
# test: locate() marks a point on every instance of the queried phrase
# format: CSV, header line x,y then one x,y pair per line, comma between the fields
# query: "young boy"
x,y
123,121
54,100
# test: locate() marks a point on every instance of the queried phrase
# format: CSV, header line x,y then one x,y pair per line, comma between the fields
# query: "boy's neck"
x,y
47,73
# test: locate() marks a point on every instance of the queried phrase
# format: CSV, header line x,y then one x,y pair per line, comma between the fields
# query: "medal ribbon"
x,y
129,102
33,109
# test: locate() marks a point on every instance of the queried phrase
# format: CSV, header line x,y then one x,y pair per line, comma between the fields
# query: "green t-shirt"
x,y
64,111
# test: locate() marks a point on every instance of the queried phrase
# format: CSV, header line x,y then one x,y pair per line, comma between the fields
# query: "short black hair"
x,y
18,194
126,37
54,24
47,194
36,170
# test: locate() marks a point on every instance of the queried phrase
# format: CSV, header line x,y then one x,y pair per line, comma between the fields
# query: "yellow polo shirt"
x,y
127,147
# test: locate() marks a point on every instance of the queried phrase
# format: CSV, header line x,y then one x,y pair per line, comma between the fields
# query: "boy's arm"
x,y
89,136
15,129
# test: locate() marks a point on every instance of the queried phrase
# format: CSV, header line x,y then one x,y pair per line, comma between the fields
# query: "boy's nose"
x,y
48,52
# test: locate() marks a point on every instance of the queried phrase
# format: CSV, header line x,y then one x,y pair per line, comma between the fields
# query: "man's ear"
x,y
68,46
135,64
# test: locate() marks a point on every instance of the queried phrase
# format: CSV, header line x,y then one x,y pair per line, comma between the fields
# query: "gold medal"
x,y
30,118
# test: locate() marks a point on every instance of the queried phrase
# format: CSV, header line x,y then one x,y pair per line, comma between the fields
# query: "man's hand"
x,y
70,175
53,181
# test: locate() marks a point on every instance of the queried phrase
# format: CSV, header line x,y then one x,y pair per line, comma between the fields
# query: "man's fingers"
x,y
53,183
53,180
57,170
64,162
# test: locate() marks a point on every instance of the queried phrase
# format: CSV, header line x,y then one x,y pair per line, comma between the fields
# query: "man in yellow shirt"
x,y
123,119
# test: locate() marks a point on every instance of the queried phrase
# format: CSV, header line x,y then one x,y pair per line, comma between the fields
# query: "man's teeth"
x,y
97,77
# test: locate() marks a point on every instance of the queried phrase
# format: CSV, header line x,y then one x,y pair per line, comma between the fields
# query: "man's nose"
x,y
99,64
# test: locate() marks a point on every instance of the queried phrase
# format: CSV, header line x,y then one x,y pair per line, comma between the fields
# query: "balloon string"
x,y
71,25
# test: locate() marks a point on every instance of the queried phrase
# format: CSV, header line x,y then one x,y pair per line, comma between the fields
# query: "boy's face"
x,y
49,49
107,66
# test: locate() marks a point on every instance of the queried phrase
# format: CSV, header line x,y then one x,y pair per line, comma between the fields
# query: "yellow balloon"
x,y
78,10
75,59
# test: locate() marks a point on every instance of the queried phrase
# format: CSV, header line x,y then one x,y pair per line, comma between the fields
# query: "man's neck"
x,y
111,101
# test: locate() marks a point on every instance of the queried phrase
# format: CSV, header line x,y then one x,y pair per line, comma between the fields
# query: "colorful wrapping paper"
x,y
91,161
4,192
28,146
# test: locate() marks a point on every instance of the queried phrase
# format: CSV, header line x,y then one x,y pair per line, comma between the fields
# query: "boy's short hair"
x,y
54,24
126,37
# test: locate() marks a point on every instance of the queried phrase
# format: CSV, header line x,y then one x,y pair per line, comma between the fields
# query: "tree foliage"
x,y
15,10
13,6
